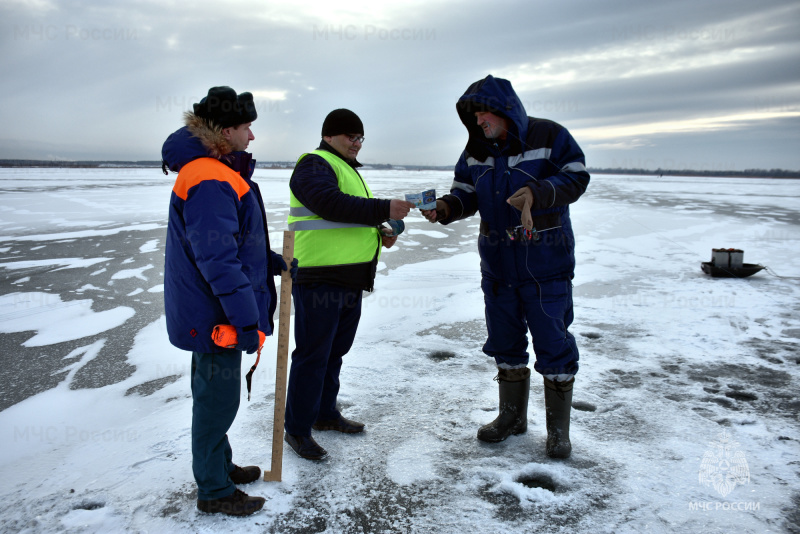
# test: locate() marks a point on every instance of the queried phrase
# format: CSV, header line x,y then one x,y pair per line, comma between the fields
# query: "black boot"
x,y
244,475
557,403
238,503
342,424
515,384
305,447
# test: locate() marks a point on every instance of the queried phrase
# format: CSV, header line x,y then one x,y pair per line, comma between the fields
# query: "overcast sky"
x,y
709,85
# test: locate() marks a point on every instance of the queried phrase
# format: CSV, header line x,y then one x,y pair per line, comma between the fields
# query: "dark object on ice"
x,y
441,355
744,271
538,481
727,257
727,263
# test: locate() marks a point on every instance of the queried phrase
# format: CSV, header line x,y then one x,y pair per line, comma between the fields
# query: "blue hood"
x,y
180,148
497,96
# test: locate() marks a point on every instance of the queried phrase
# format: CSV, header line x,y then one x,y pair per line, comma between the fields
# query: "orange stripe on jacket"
x,y
203,169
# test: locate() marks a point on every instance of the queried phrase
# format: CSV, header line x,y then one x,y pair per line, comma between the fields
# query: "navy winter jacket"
x,y
537,153
219,265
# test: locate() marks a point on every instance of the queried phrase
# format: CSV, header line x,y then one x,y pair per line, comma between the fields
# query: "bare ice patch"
x,y
54,320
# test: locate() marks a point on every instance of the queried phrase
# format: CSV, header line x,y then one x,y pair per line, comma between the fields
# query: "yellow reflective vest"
x,y
319,242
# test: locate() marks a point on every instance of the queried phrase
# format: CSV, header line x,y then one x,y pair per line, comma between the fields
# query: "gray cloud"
x,y
86,80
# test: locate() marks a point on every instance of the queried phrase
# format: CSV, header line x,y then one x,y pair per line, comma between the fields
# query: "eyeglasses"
x,y
354,138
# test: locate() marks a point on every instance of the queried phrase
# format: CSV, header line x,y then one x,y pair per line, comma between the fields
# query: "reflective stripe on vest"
x,y
316,223
319,242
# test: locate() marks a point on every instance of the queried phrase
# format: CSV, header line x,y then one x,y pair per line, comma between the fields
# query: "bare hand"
x,y
398,209
523,201
441,212
388,241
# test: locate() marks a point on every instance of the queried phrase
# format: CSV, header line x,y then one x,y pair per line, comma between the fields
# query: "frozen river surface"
x,y
95,406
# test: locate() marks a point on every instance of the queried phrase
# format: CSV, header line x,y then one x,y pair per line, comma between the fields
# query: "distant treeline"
x,y
75,164
747,173
113,164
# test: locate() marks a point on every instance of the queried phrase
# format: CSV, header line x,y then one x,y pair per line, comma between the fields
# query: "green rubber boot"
x,y
557,403
515,385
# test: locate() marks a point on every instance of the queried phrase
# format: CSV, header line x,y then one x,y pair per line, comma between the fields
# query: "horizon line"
x,y
755,172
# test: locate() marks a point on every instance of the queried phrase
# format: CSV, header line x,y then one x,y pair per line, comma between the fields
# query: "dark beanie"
x,y
342,121
225,108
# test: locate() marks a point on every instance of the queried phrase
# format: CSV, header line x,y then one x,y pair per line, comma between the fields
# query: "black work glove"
x,y
247,339
282,265
392,228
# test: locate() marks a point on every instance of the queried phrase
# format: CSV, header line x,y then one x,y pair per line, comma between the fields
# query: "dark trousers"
x,y
216,390
326,319
546,310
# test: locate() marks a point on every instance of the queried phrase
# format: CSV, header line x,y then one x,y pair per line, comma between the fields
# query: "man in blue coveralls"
x,y
521,173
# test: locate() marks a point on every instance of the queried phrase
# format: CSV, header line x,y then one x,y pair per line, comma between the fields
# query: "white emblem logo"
x,y
724,466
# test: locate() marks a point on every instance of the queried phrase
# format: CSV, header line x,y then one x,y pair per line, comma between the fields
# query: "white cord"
x,y
539,286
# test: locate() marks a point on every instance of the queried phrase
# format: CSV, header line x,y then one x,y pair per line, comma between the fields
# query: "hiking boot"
x,y
237,503
244,475
305,447
515,386
557,403
342,424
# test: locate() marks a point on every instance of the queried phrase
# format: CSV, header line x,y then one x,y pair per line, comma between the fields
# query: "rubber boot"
x,y
515,385
557,403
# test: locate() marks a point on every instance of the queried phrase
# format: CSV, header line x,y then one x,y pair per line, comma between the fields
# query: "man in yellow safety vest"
x,y
337,242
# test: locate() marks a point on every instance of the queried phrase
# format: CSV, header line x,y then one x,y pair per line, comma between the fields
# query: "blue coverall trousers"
x,y
544,308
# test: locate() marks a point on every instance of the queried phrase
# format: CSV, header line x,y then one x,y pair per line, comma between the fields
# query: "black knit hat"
x,y
342,121
225,108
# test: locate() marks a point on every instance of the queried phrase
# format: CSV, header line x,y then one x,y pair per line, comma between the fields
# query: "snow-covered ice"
x,y
675,367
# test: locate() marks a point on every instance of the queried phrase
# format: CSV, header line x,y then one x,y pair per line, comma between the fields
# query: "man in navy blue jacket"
x,y
218,270
521,173
337,243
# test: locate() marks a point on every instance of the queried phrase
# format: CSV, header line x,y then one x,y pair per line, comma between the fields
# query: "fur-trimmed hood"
x,y
198,139
209,134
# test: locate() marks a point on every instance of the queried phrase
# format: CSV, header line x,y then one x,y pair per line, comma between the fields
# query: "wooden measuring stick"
x,y
281,367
